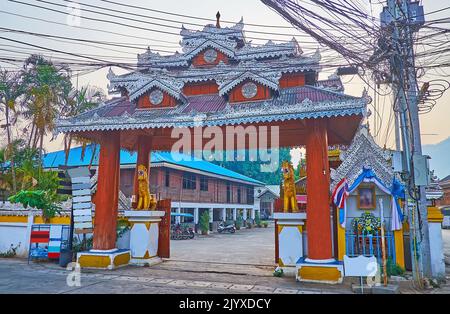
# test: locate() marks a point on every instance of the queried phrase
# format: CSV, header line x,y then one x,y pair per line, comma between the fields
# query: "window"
x,y
228,192
189,181
239,195
250,195
203,184
167,178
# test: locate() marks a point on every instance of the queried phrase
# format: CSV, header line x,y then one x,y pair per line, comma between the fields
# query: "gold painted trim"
x,y
320,273
399,248
20,219
435,214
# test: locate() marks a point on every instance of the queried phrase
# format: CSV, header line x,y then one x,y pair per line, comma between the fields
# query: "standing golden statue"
x,y
289,194
146,201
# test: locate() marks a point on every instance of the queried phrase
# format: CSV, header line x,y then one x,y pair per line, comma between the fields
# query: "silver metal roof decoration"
x,y
434,191
210,31
229,40
263,64
137,84
269,80
363,152
283,108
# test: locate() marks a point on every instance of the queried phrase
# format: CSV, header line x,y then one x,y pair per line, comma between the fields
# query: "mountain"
x,y
440,157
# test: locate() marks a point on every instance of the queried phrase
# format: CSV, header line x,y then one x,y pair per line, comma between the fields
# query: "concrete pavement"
x,y
205,265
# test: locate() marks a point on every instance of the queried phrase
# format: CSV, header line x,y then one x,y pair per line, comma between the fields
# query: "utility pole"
x,y
404,84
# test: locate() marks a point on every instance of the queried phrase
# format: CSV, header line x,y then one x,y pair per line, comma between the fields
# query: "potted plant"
x,y
238,222
258,220
204,223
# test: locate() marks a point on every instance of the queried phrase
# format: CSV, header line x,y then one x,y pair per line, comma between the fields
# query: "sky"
x,y
435,126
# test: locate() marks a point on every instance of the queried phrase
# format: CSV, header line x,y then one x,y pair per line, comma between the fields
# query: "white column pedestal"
x,y
178,218
224,214
144,236
290,240
435,219
195,215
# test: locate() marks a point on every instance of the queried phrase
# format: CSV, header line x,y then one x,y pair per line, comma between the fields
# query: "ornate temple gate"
x,y
282,102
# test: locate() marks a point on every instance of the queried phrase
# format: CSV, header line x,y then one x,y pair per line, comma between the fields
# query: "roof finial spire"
x,y
218,19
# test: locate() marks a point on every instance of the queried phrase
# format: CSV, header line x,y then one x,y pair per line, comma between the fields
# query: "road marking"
x,y
161,280
241,287
286,291
262,289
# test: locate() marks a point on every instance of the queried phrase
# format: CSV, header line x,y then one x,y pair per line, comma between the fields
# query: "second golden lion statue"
x,y
146,201
289,193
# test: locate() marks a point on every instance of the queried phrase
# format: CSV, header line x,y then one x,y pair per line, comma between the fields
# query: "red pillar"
x,y
107,196
317,190
143,158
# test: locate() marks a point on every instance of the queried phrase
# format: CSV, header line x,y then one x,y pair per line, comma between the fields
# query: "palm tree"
x,y
79,101
48,88
12,89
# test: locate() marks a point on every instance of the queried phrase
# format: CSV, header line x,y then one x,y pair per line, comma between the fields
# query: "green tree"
x,y
204,222
252,168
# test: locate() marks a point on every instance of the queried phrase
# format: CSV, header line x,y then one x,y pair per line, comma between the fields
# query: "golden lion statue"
x,y
289,194
146,201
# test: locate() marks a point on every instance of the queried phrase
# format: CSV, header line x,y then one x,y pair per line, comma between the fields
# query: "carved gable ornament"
x,y
363,152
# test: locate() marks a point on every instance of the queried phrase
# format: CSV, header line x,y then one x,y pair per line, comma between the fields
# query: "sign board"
x,y
81,200
360,266
46,241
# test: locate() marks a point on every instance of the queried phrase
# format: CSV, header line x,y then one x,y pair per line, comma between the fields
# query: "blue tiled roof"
x,y
56,159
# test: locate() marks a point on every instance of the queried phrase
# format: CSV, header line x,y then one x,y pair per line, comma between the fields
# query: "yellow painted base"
x,y
331,274
435,214
103,260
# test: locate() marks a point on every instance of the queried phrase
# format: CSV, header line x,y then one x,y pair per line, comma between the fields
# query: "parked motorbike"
x,y
226,228
179,233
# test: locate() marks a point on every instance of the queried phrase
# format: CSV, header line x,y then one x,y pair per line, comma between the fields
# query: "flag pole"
x,y
383,245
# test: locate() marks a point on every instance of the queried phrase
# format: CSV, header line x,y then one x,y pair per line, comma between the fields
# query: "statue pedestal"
x,y
320,271
103,259
290,240
144,236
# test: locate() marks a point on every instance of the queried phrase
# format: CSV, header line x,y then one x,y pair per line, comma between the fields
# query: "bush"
x,y
265,224
11,251
278,272
394,269
249,225
39,199
204,222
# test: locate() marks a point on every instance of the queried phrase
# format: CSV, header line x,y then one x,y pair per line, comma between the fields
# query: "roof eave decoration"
x,y
268,50
212,32
137,84
229,51
226,86
171,88
247,113
363,153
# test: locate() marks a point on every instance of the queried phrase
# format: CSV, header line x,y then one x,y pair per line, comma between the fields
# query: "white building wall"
x,y
14,234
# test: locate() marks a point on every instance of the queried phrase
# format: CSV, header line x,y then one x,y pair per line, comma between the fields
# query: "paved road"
x,y
192,270
219,263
